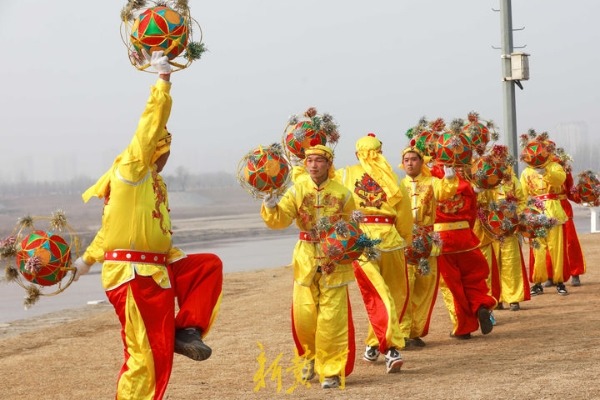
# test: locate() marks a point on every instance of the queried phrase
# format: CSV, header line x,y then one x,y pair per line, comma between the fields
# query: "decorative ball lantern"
x,y
308,130
533,223
160,28
39,254
421,246
500,219
427,134
588,188
43,258
264,170
489,170
478,132
340,242
167,26
454,147
536,148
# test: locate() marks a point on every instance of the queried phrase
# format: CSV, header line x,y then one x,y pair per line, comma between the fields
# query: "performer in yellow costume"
x,y
322,324
424,191
545,184
142,273
508,279
383,282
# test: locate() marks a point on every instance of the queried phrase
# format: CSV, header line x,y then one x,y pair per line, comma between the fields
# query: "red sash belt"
x,y
136,256
307,237
377,219
549,196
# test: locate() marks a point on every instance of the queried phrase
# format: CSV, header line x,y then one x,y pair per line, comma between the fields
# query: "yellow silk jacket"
x,y
370,199
136,214
305,203
546,187
424,192
500,192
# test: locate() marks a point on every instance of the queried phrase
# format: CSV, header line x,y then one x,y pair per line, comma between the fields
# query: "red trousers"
x,y
465,275
146,312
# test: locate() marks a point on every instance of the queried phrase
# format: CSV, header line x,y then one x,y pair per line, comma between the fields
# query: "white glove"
x,y
81,268
449,172
159,62
540,171
271,200
477,189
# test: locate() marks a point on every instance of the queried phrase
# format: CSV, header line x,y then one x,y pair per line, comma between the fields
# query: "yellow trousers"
x,y
323,328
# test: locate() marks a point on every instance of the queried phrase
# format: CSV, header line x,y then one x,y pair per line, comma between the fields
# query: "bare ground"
x,y
548,350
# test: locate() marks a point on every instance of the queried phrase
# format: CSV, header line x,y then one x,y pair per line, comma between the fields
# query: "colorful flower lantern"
x,y
420,249
588,188
39,253
264,170
43,258
499,219
533,223
160,28
536,148
489,170
308,130
167,26
341,242
454,149
426,133
479,133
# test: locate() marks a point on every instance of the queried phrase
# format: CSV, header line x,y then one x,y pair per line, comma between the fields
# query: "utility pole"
x,y
508,85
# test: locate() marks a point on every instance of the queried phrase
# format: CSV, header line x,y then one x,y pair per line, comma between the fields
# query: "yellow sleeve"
x,y
282,215
555,174
151,128
445,188
404,219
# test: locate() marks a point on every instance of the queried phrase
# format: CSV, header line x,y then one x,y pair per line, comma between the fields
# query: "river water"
x,y
237,255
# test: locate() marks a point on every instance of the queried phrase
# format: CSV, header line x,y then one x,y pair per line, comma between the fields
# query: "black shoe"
x,y
417,342
575,280
536,289
561,289
466,336
485,322
515,307
188,342
500,306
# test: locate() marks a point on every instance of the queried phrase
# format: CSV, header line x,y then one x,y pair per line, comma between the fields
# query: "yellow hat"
x,y
369,142
413,149
320,150
368,152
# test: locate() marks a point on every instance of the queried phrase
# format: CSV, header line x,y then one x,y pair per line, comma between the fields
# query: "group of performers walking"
x,y
167,301
475,270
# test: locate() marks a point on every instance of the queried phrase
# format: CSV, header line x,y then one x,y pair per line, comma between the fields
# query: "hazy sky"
x,y
71,100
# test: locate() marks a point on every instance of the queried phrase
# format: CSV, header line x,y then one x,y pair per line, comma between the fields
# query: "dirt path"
x,y
548,350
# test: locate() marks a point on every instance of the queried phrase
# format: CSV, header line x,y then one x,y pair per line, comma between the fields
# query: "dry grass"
x,y
548,350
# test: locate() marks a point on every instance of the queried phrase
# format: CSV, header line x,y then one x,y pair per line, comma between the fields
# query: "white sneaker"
x,y
331,382
393,361
308,371
371,354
